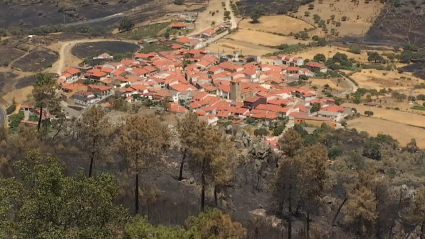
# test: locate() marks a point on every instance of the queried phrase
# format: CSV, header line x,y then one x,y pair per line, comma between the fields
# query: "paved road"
x,y
3,116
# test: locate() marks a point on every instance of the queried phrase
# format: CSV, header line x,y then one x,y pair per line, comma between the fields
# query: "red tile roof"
x,y
72,71
175,108
178,25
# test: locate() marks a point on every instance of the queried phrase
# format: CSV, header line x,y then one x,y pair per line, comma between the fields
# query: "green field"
x,y
418,108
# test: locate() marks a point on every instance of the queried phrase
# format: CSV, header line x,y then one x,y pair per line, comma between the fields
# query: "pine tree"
x,y
290,142
95,130
140,141
44,91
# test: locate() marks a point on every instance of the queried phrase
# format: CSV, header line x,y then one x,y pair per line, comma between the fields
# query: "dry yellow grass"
x,y
391,115
367,13
263,38
333,83
329,51
279,24
403,133
229,46
375,79
19,96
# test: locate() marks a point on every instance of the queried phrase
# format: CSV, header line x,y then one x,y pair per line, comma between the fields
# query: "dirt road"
x,y
205,19
65,55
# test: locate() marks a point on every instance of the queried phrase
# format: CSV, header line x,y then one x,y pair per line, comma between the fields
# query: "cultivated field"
x,y
264,38
375,79
391,115
276,24
229,46
359,17
403,133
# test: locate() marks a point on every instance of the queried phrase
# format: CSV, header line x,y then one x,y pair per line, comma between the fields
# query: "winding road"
x,y
65,50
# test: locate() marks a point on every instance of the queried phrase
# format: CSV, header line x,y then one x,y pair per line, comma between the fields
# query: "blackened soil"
x,y
93,49
49,14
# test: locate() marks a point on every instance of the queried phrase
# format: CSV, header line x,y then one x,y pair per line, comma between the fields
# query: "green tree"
x,y
344,18
319,57
306,14
44,93
46,204
374,56
261,132
315,107
355,49
140,140
126,24
256,13
406,57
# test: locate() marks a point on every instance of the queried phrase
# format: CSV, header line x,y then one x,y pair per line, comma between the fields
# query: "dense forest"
x,y
121,172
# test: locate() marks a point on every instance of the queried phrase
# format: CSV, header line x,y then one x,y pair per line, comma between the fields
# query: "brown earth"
x,y
403,133
264,38
391,115
276,24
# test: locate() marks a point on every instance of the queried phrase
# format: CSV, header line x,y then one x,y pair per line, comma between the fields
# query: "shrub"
x,y
355,49
11,109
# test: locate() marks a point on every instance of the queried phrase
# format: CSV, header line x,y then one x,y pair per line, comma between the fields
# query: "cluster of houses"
x,y
199,81
199,40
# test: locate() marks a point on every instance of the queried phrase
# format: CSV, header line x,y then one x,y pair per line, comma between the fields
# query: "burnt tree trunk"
x,y
136,194
39,119
290,212
338,211
215,195
203,186
308,225
92,158
182,165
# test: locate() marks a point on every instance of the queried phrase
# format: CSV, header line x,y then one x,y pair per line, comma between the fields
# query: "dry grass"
x,y
263,38
279,24
352,27
391,115
205,19
333,83
329,51
403,133
375,79
229,46
19,96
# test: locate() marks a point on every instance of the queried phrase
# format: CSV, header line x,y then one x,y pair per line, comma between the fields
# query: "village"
x,y
218,87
